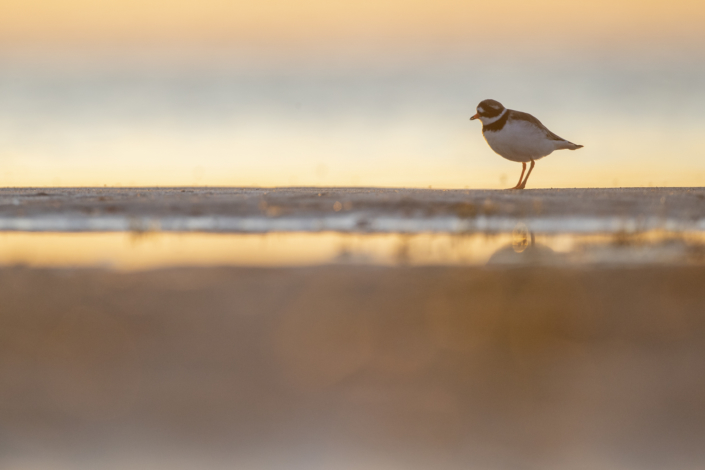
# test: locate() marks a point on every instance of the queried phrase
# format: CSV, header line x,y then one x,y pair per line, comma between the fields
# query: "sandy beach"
x,y
362,210
673,203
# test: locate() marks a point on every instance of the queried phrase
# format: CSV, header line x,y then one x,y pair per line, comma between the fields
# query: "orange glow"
x,y
150,250
128,251
278,21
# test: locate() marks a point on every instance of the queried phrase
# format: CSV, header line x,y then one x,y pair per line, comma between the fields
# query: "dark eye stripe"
x,y
492,112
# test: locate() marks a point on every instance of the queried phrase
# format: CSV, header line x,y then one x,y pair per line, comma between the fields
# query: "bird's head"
x,y
488,111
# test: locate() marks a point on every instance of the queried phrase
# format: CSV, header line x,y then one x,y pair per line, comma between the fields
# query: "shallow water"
x,y
147,250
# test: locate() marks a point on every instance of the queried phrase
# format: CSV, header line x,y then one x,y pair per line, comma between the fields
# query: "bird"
x,y
518,136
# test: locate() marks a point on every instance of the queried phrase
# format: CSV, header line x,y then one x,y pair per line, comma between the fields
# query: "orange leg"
x,y
523,169
523,185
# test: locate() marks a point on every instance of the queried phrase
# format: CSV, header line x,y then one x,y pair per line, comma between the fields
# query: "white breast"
x,y
520,141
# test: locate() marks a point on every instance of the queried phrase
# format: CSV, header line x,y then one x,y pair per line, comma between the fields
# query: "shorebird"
x,y
518,136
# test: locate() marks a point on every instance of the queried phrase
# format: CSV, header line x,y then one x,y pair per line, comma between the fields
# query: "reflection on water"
x,y
525,250
144,250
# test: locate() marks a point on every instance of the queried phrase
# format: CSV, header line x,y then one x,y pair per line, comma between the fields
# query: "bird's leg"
x,y
523,185
523,169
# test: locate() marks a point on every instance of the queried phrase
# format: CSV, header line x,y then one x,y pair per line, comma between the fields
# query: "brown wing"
x,y
519,116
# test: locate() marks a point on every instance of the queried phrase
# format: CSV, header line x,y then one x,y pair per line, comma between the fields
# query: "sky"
x,y
351,93
281,21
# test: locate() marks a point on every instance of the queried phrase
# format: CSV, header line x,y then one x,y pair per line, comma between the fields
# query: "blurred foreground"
x,y
353,367
358,328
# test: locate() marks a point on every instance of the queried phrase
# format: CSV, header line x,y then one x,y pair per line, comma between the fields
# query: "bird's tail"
x,y
568,145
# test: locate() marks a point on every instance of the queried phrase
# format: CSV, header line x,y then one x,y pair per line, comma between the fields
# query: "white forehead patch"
x,y
480,110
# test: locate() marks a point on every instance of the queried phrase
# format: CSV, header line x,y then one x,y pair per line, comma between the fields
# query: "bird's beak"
x,y
477,116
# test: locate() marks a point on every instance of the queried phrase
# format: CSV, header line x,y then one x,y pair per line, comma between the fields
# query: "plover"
x,y
517,136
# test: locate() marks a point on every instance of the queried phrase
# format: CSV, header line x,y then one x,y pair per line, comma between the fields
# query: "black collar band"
x,y
497,125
